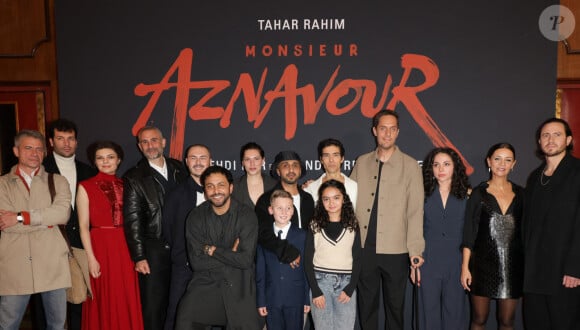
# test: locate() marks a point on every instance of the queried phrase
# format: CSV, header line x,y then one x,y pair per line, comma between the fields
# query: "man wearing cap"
x,y
288,168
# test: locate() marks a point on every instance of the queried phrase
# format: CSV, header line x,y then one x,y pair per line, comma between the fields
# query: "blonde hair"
x,y
279,193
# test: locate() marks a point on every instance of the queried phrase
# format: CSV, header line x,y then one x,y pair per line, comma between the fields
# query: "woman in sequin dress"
x,y
492,265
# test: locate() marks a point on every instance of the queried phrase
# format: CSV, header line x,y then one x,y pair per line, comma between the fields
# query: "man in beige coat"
x,y
390,213
33,253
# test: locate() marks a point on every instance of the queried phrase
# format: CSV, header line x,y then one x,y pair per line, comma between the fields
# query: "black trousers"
x,y
201,306
210,301
154,287
180,277
74,317
389,271
552,312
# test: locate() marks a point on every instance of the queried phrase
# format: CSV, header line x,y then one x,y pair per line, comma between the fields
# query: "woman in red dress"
x,y
116,302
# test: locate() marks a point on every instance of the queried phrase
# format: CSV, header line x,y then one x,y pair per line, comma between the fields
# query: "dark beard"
x,y
226,199
555,153
288,182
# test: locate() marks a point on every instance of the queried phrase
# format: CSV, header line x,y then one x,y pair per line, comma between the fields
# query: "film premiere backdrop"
x,y
288,74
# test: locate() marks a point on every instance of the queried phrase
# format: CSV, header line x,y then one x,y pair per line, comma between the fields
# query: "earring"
x,y
489,169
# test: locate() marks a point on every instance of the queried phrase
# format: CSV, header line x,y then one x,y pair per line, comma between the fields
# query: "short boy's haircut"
x,y
279,193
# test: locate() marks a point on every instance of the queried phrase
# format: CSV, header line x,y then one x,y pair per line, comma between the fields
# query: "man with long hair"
x,y
551,229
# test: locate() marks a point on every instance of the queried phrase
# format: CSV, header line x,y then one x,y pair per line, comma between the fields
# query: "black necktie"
x,y
279,234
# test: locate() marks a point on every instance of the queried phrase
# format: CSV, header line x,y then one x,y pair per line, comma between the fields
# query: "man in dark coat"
x,y
221,237
62,136
551,230
178,203
143,197
287,167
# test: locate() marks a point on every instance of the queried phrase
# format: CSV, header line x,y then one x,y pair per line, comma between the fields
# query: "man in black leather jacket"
x,y
144,193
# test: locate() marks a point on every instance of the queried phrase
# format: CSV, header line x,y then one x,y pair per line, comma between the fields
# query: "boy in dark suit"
x,y
282,290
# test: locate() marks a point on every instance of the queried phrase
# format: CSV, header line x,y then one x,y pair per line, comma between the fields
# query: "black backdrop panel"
x,y
286,75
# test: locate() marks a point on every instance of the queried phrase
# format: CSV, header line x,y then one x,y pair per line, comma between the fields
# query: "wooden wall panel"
x,y
569,57
27,46
24,27
567,105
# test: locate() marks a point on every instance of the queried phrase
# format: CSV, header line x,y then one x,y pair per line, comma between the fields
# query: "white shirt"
x,y
27,177
349,184
67,168
283,229
200,198
296,199
161,169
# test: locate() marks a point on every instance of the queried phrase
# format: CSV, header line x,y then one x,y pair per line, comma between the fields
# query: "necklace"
x,y
542,179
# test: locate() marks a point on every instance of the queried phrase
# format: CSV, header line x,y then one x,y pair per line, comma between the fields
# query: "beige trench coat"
x,y
34,258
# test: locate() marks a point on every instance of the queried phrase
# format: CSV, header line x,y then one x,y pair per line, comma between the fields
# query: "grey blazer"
x,y
241,192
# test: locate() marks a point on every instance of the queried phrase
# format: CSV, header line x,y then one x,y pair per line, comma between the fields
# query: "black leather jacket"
x,y
143,198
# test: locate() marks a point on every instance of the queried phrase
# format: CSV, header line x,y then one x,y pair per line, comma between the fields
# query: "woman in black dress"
x,y
492,265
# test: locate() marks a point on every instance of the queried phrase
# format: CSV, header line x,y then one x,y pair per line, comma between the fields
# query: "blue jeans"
x,y
12,309
335,315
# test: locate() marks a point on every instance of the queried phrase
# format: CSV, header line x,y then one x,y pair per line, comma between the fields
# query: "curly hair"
x,y
320,218
459,180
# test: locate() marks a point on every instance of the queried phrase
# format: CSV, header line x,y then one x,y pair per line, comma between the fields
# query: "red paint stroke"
x,y
287,90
